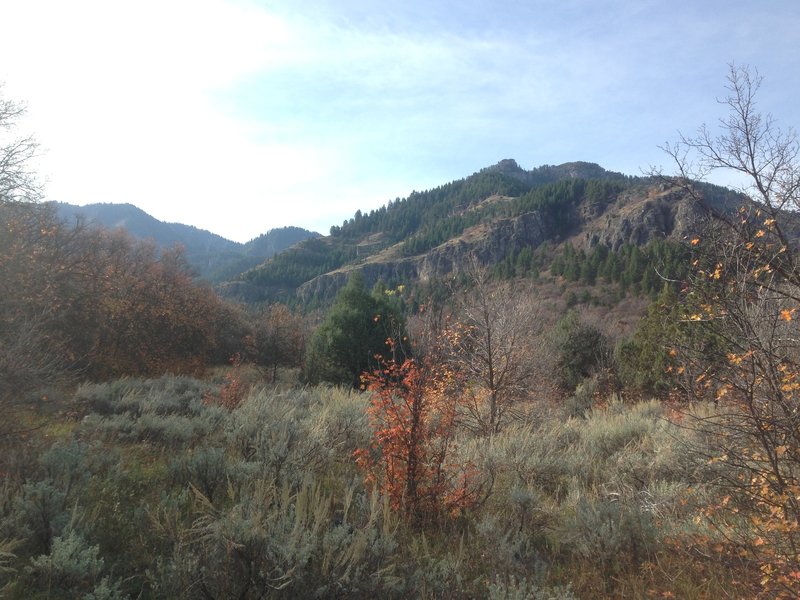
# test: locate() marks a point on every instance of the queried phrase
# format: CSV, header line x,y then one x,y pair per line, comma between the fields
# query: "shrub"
x,y
613,534
338,424
205,468
164,396
272,543
582,399
168,411
581,349
270,430
72,568
521,589
39,515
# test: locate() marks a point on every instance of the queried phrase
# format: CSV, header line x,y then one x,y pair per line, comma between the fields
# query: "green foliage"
x,y
353,337
302,262
653,361
426,219
613,532
581,350
555,203
73,569
646,270
644,362
522,589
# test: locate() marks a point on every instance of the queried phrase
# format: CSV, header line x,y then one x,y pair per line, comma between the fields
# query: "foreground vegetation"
x,y
151,489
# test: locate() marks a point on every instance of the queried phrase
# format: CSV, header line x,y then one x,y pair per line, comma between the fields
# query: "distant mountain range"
x,y
501,215
212,256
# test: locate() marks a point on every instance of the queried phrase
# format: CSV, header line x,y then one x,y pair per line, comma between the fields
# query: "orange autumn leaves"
x,y
111,305
413,413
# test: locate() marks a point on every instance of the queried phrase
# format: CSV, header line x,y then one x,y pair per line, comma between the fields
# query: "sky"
x,y
239,116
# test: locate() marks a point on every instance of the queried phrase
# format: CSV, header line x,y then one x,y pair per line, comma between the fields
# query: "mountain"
x,y
212,256
496,214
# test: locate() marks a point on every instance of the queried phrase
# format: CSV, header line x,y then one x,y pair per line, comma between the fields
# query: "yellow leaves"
x,y
737,359
789,385
717,272
787,314
760,233
695,241
767,570
769,222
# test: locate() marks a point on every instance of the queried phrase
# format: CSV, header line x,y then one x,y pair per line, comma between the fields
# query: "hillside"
x,y
495,214
212,256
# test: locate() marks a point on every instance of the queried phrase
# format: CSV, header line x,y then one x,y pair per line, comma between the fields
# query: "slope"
x,y
212,256
494,214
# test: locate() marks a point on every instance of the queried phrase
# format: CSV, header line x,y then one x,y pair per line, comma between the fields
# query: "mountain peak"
x,y
507,166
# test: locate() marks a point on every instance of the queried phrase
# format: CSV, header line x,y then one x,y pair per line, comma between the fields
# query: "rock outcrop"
x,y
634,217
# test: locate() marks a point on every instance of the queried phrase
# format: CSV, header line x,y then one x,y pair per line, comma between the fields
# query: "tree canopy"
x,y
360,330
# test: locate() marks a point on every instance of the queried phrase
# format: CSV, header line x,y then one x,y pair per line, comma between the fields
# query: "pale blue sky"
x,y
240,116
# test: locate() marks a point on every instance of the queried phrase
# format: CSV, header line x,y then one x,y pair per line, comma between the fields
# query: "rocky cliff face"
x,y
638,220
489,242
635,217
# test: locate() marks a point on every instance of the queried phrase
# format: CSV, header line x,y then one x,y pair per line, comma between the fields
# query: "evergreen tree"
x,y
360,331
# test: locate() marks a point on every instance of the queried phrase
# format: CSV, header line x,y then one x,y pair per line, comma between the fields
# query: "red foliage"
x,y
413,414
233,391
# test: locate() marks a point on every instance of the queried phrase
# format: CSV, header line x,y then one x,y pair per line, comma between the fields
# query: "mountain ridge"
x,y
213,257
493,214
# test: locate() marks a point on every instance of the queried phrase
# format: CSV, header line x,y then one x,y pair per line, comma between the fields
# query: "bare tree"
x,y
746,294
279,339
17,180
491,345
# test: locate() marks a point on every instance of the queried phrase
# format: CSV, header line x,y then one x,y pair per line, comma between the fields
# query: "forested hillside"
x,y
501,214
